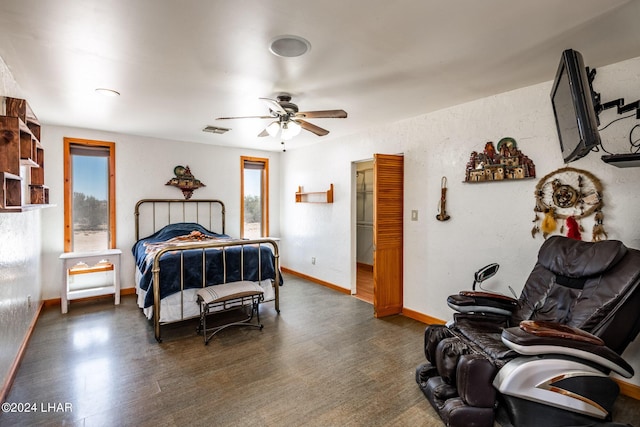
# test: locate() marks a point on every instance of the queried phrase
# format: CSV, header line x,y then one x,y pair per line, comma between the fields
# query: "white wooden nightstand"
x,y
71,259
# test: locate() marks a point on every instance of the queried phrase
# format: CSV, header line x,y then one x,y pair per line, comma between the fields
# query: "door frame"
x,y
354,233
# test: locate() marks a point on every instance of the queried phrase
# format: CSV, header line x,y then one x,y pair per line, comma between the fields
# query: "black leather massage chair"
x,y
545,358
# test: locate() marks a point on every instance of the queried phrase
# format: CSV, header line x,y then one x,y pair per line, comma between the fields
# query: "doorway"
x,y
364,231
382,201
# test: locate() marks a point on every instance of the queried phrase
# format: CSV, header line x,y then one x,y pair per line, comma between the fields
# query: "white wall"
x,y
20,280
143,166
490,222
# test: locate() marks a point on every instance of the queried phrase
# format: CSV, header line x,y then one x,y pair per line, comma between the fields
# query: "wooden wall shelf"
x,y
20,146
315,196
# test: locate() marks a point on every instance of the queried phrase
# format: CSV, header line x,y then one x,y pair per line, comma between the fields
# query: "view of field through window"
x,y
90,185
252,203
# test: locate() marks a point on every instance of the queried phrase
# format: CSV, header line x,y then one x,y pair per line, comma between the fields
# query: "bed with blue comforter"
x,y
188,257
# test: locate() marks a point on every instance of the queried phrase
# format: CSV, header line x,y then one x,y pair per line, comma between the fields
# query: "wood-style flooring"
x,y
324,361
364,283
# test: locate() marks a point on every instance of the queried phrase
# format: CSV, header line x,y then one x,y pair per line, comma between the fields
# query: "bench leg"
x,y
208,333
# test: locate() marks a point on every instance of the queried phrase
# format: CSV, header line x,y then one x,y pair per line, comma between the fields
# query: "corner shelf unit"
x,y
315,196
20,146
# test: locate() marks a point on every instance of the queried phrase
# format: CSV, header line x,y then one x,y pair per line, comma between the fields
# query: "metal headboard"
x,y
170,211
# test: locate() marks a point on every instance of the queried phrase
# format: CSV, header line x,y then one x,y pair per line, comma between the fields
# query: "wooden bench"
x,y
226,297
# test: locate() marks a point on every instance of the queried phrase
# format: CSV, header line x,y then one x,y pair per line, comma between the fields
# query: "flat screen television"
x,y
571,97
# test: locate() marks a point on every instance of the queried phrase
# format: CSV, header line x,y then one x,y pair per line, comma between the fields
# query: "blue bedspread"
x,y
214,271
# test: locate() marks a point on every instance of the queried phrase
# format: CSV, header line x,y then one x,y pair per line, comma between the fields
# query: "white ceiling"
x,y
180,64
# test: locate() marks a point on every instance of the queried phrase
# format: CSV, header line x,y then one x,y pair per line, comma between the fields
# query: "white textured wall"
x,y
20,280
143,166
490,222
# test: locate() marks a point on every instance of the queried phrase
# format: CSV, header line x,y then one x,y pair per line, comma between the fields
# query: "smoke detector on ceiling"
x,y
289,46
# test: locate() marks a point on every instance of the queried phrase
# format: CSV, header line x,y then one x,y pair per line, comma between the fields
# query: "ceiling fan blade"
x,y
244,117
324,114
312,128
263,133
274,106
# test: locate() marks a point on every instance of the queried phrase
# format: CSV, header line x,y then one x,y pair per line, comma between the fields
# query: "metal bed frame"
x,y
199,205
182,217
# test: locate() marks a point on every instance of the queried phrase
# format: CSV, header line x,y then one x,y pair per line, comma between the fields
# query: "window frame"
x,y
68,190
264,232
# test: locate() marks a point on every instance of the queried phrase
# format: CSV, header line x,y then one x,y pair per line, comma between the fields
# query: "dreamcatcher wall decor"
x,y
568,194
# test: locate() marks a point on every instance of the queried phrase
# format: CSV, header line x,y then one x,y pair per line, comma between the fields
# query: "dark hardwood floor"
x,y
324,361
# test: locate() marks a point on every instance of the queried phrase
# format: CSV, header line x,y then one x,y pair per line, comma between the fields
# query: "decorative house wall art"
x,y
185,181
564,197
504,162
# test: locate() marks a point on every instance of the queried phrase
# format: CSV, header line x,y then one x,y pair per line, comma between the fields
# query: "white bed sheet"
x,y
183,305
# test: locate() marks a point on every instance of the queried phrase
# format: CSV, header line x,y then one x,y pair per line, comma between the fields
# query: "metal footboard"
x,y
204,247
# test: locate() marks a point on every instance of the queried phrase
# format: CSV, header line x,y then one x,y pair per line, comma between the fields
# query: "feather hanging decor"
x,y
549,224
573,229
568,194
535,230
599,232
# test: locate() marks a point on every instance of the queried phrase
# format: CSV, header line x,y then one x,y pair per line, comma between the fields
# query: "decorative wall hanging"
x,y
568,194
504,163
442,208
185,181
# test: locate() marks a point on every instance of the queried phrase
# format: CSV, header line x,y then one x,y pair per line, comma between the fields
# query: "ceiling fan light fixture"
x,y
273,129
286,118
294,128
288,46
286,133
290,129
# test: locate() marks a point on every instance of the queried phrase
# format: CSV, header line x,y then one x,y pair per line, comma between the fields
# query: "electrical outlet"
x,y
313,260
414,215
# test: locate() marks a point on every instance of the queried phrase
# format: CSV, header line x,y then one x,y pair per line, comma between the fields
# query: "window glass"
x,y
89,196
254,198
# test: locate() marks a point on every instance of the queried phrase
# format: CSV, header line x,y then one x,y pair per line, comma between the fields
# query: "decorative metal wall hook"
x,y
442,210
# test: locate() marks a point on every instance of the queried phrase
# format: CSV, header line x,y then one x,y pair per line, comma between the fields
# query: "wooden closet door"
x,y
388,176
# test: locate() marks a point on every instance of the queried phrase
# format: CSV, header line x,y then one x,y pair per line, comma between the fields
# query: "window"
x,y
89,195
254,197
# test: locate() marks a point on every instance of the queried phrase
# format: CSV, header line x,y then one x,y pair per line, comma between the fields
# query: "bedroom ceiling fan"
x,y
288,120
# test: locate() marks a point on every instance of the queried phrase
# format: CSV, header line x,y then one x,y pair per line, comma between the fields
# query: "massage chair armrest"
x,y
482,302
534,338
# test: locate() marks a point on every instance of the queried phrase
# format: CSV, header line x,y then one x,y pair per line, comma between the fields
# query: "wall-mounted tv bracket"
x,y
617,103
595,96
